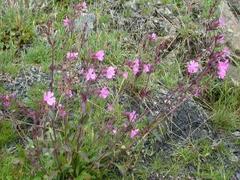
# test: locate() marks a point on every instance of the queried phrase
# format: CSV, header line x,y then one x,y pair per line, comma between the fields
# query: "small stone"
x,y
232,27
233,158
236,133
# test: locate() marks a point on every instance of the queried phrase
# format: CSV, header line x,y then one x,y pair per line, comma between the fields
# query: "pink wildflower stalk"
x,y
222,68
132,116
110,72
99,55
192,67
104,93
49,98
134,133
81,6
90,74
136,66
147,68
218,23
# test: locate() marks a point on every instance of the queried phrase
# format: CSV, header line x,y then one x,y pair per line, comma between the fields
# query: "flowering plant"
x,y
81,125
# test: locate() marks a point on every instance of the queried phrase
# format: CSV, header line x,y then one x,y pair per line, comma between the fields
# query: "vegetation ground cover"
x,y
88,122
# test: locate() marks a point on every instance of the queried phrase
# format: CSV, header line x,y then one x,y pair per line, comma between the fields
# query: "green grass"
x,y
8,134
206,160
225,98
14,164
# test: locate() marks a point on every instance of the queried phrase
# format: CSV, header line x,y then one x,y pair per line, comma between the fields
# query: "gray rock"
x,y
235,6
232,28
236,176
85,21
25,79
234,75
187,121
145,18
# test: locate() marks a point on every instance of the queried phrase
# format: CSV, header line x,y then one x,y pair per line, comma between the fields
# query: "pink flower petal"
x,y
134,133
192,67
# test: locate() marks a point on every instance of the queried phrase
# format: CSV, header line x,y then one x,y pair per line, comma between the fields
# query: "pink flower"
x,y
220,39
136,66
104,93
81,6
90,74
152,37
221,22
147,68
49,98
84,5
125,75
218,23
134,132
132,116
222,67
110,72
99,55
192,67
72,56
67,22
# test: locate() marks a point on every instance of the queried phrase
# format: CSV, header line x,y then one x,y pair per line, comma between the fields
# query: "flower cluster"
x,y
138,67
218,60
